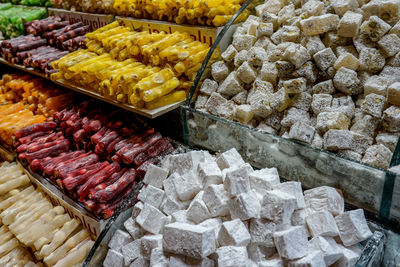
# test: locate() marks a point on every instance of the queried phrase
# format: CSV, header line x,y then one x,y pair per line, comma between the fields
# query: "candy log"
x,y
29,138
31,45
39,127
72,182
114,189
63,146
129,156
109,210
49,166
72,33
82,170
37,147
108,182
89,160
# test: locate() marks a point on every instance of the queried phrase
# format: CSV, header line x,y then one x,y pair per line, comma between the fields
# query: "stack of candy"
x,y
96,157
39,96
138,68
46,41
29,219
198,210
90,6
43,3
12,19
205,12
326,74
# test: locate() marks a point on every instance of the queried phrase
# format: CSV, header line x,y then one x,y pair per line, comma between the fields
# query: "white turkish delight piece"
x,y
272,262
181,163
257,56
318,141
313,259
349,24
319,24
285,68
302,101
265,29
371,60
230,158
294,189
391,119
375,28
233,233
349,258
201,102
373,104
377,85
142,194
332,120
198,211
208,87
294,115
388,140
335,140
308,70
131,251
321,102
302,131
216,199
151,219
133,229
246,73
322,224
232,256
262,232
348,61
180,216
314,44
199,156
298,217
390,44
237,181
158,258
252,28
137,209
209,173
243,41
325,87
119,239
350,154
150,242
353,227
325,58
269,72
286,13
263,42
171,202
231,85
295,86
245,206
187,186
264,179
214,223
312,8
190,240
297,55
113,259
229,54
394,94
324,198
244,113
154,196
291,34
291,243
204,262
277,206
328,247
342,6
155,176
240,98
240,57
219,71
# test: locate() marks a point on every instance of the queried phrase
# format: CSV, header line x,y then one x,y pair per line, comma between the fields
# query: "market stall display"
x,y
12,19
325,77
94,157
30,220
48,40
200,210
143,69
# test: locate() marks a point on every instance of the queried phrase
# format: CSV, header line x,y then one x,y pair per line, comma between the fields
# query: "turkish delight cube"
x,y
278,206
325,58
231,85
151,219
388,140
208,87
302,101
244,113
246,73
297,55
229,54
390,45
291,243
335,140
377,85
324,198
391,119
312,8
389,11
290,34
240,98
375,28
302,132
243,41
349,24
342,6
319,24
314,258
279,100
219,71
232,256
314,44
245,206
295,86
353,227
373,104
325,87
348,61
366,125
234,233
216,199
393,93
346,81
265,29
269,72
371,60
285,68
256,56
345,105
332,120
378,155
214,102
294,115
322,224
252,28
292,188
240,57
286,13
201,102
321,103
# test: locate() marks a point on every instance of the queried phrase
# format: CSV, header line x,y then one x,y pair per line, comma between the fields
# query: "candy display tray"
x,y
149,113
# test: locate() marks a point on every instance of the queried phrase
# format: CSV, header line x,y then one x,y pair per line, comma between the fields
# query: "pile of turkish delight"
x,y
197,210
326,73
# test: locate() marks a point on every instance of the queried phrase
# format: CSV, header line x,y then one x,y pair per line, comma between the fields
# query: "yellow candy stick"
x,y
166,100
159,91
